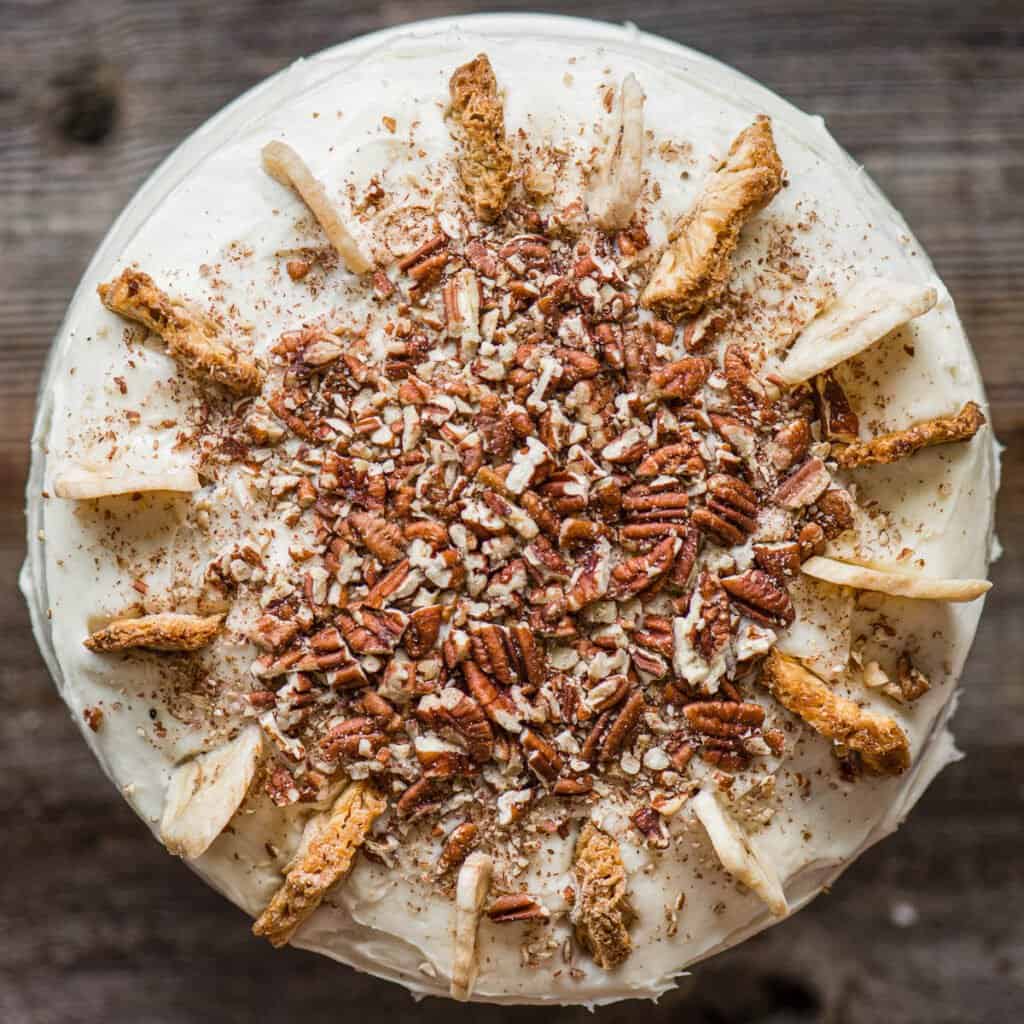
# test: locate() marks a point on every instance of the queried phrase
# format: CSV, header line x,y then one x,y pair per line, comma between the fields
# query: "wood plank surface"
x,y
97,924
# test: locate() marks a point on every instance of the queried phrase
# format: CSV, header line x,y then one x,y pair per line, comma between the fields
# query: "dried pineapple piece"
x,y
205,792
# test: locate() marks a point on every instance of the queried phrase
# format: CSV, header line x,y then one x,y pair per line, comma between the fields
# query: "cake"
x,y
513,507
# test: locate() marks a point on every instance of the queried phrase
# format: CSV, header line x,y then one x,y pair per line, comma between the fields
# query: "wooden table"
x,y
97,924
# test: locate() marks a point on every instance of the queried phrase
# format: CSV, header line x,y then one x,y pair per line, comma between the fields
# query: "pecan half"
x,y
635,575
724,718
541,757
456,711
731,511
520,906
622,726
761,596
803,486
682,379
838,420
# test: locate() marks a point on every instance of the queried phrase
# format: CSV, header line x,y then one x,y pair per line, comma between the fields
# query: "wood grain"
x,y
99,924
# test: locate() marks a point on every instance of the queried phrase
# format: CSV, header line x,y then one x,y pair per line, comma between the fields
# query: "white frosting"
x,y
212,193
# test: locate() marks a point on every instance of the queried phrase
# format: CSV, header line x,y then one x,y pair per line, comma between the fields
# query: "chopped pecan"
x,y
682,458
355,737
591,580
491,651
881,744
387,584
384,539
520,906
761,596
193,340
486,163
695,268
497,705
790,444
838,420
372,630
622,726
648,822
423,630
601,912
803,486
834,512
541,757
912,683
682,379
532,660
457,846
780,559
456,711
421,798
901,443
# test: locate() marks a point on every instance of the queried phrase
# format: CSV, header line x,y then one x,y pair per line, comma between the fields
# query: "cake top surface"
x,y
504,532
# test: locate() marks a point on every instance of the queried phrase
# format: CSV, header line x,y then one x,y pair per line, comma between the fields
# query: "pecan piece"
x,y
327,858
520,906
497,705
601,912
790,445
882,745
541,757
724,718
456,711
422,631
191,339
623,724
760,596
485,166
803,486
532,660
912,683
838,420
695,268
384,539
490,649
637,574
901,443
457,846
682,379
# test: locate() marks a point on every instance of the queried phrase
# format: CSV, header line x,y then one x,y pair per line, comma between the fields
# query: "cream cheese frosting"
x,y
211,224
